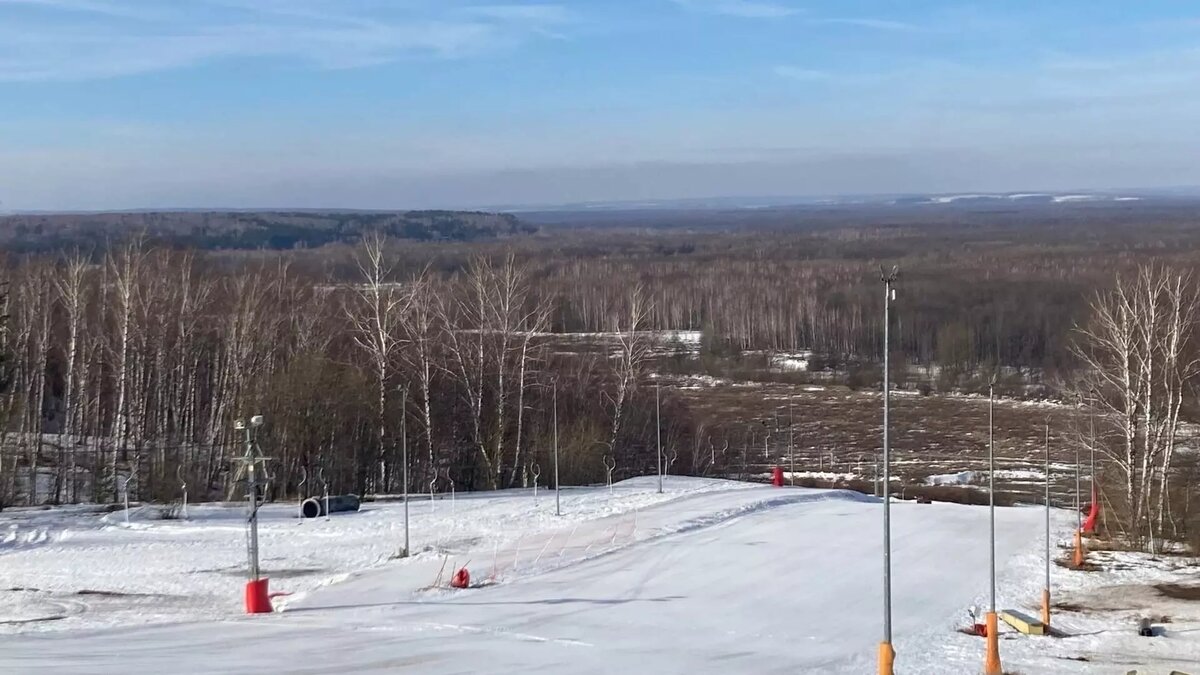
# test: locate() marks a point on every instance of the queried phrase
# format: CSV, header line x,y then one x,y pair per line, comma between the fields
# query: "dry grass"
x,y
931,435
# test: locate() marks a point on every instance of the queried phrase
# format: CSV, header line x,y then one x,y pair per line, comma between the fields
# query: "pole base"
x,y
258,598
1046,608
1079,557
887,658
991,662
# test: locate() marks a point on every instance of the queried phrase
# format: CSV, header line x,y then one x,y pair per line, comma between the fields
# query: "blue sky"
x,y
110,104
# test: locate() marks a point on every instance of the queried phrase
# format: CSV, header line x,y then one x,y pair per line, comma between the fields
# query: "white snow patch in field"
x,y
978,477
819,475
793,362
960,478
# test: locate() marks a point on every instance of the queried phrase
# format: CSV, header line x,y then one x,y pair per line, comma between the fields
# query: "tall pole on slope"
x,y
887,655
404,461
1092,423
258,599
1077,557
1046,588
557,501
791,445
1079,513
991,662
658,430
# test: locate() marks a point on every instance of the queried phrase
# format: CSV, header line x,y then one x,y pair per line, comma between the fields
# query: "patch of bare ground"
x,y
836,429
1179,591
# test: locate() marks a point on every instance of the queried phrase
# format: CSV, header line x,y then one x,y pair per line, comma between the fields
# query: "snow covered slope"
x,y
711,577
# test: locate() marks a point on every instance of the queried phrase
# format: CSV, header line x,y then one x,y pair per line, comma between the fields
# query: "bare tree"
x,y
70,283
465,321
125,269
377,316
1140,359
633,348
424,329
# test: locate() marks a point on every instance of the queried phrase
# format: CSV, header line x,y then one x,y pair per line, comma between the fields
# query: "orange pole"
x,y
1077,559
991,662
887,658
1046,608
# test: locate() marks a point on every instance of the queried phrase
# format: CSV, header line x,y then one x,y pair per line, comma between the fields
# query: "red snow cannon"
x,y
777,477
461,579
258,598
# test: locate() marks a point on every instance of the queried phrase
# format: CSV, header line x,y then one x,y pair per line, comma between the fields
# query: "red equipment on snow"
x,y
777,477
258,598
461,579
1089,525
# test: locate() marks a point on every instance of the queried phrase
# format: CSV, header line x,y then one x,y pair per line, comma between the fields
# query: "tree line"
x,y
131,364
132,367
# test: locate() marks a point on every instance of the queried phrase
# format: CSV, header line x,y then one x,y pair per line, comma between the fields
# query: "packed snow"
x,y
710,576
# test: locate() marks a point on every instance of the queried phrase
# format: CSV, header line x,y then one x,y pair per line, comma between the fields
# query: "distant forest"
x,y
139,341
269,230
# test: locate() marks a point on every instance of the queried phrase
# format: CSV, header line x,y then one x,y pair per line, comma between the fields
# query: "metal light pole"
x,y
404,462
557,501
257,597
1046,589
1079,514
887,655
251,460
766,442
1095,490
991,663
791,445
1077,557
658,429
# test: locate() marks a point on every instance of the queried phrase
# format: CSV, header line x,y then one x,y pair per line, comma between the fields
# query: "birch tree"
x,y
377,314
1140,360
633,347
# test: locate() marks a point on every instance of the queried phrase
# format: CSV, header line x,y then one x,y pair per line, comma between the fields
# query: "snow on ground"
x,y
1098,612
960,478
94,570
711,576
831,476
791,362
978,477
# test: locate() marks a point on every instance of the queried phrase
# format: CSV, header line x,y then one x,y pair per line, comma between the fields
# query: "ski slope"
x,y
712,576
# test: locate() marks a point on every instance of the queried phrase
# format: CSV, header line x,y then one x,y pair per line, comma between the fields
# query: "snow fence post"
x,y
125,492
658,434
300,489
610,464
182,486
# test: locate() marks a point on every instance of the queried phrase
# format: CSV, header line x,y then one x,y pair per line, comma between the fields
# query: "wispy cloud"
x,y
87,39
79,7
767,9
873,24
801,74
748,9
541,14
